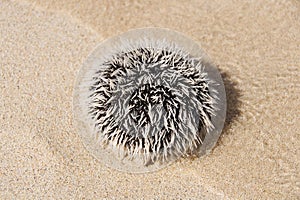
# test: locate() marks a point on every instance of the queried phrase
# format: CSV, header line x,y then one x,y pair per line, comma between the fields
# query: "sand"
x,y
256,46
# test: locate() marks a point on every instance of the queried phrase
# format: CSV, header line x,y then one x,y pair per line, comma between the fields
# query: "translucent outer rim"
x,y
84,125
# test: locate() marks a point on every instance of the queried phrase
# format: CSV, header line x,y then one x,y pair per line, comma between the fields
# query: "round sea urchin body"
x,y
146,98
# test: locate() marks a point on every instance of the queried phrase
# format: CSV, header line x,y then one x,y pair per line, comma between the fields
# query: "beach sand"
x,y
256,46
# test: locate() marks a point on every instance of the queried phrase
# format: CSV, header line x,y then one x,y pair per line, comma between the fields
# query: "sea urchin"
x,y
146,98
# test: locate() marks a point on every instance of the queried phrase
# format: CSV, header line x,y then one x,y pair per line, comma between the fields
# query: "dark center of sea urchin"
x,y
152,103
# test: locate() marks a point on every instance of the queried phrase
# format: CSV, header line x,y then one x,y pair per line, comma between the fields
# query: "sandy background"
x,y
255,44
